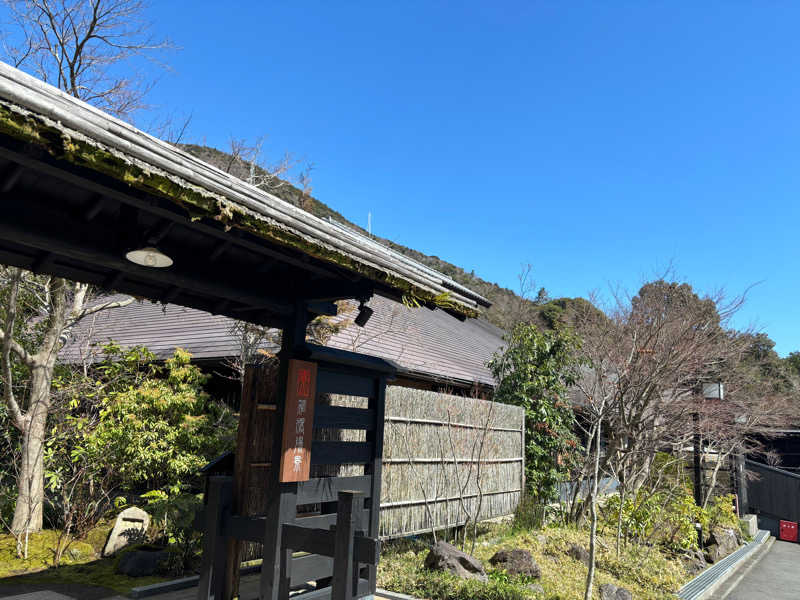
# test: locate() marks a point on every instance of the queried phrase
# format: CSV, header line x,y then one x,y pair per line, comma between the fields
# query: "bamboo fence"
x,y
446,459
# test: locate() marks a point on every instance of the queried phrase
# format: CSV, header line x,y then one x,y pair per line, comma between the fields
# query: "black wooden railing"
x,y
343,543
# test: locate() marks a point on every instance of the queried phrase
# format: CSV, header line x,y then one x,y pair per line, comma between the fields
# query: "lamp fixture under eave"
x,y
364,313
149,256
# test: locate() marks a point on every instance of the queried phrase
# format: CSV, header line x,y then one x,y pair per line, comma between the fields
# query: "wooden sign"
x,y
298,421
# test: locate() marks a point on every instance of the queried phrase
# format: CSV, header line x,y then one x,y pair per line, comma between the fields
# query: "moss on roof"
x,y
81,151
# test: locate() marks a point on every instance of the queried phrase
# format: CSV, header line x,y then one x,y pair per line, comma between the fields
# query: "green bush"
x,y
155,426
668,517
531,514
721,512
534,372
172,521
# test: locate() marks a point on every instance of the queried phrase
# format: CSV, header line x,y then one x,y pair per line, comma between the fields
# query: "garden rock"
x,y
141,563
446,557
516,562
721,543
694,562
535,588
609,591
129,528
579,553
542,539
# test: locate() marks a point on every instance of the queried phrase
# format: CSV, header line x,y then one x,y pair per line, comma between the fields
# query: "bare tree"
x,y
76,44
643,364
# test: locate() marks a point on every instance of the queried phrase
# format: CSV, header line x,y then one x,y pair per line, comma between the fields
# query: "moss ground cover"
x,y
645,571
81,563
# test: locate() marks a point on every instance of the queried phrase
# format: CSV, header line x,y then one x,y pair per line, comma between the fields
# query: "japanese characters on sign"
x,y
298,421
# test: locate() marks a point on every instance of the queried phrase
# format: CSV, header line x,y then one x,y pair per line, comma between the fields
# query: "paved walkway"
x,y
775,575
248,589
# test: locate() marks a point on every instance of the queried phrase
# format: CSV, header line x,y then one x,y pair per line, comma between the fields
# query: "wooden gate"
x,y
294,517
772,493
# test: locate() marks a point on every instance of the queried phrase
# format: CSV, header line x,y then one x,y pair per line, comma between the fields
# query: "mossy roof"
x,y
73,131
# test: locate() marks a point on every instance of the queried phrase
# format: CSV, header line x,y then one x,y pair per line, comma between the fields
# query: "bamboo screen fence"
x,y
446,460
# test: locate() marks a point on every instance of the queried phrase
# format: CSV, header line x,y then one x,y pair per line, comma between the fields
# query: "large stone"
x,y
750,525
579,553
535,588
721,542
129,528
141,563
694,562
446,557
609,591
516,562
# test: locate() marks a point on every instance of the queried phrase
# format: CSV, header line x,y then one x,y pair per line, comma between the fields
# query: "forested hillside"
x,y
507,307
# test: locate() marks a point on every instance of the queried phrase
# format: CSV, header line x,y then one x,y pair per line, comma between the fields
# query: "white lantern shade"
x,y
149,257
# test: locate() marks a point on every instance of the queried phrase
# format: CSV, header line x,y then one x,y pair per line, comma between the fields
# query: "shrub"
x,y
668,517
158,428
531,514
533,372
720,513
173,515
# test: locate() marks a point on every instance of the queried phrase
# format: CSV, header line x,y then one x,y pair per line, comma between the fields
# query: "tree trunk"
x,y
30,499
593,507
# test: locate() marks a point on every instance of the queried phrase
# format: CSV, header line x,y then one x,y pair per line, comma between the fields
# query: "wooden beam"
x,y
326,489
157,234
345,572
343,417
323,542
94,209
44,260
221,248
10,177
341,453
46,231
90,180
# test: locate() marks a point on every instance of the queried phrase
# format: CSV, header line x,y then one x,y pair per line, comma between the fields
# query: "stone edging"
x,y
708,580
392,595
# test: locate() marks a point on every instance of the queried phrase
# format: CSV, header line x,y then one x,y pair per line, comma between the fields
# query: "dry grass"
x,y
646,572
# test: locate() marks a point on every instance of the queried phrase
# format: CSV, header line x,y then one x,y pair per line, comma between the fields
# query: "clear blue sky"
x,y
598,141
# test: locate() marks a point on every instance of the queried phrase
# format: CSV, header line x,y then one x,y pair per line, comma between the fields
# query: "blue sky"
x,y
599,141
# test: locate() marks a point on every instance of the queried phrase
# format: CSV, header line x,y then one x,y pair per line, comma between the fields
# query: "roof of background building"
x,y
426,344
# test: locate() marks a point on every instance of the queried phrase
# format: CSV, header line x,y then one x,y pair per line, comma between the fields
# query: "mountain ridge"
x,y
507,306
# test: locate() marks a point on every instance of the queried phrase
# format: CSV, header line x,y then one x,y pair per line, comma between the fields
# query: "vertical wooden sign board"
x,y
298,421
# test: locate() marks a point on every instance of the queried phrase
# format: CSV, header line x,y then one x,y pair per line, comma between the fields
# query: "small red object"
x,y
788,531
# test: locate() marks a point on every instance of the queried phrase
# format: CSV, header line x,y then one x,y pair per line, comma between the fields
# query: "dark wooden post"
x,y
345,570
741,483
282,498
213,572
698,475
378,404
253,458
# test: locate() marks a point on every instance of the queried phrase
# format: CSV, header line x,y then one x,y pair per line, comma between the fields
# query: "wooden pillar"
x,y
213,578
377,403
253,461
282,497
345,570
256,489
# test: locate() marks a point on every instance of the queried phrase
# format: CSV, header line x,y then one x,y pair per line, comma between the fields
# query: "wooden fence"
x,y
446,459
772,492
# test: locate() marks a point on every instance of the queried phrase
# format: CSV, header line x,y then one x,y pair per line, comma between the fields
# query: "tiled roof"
x,y
424,343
